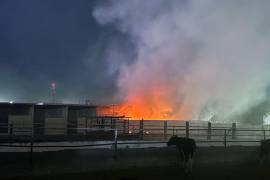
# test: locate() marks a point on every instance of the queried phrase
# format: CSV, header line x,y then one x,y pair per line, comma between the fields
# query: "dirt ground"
x,y
211,163
248,171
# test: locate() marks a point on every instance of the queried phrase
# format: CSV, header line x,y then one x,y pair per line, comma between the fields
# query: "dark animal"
x,y
264,150
186,148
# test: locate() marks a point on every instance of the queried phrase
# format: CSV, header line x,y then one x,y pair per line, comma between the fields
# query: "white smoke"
x,y
208,53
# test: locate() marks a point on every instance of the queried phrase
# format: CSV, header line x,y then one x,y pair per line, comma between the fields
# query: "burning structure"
x,y
191,56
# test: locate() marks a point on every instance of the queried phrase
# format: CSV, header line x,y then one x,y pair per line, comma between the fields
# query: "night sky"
x,y
180,59
44,41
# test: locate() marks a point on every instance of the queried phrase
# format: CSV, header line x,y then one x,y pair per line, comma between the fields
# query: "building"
x,y
42,118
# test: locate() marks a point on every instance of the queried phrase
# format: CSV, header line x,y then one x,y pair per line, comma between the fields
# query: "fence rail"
x,y
131,127
121,133
159,131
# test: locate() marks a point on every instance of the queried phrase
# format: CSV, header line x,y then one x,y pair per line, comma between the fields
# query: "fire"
x,y
143,107
152,105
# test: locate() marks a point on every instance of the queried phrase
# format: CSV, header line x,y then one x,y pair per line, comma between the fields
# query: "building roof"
x,y
47,104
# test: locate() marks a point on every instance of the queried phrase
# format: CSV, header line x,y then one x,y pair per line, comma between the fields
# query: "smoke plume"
x,y
193,58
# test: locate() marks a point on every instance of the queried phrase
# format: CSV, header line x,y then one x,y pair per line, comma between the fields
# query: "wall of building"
x,y
55,126
43,118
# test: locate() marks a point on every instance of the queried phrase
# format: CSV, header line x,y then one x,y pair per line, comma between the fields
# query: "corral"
x,y
102,145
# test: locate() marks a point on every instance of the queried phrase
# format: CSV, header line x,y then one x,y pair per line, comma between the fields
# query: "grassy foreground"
x,y
215,172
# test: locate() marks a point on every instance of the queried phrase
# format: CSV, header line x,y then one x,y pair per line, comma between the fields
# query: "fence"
x,y
143,132
137,130
201,131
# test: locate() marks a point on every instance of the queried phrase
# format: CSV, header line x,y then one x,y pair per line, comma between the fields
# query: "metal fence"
x,y
127,133
140,130
137,130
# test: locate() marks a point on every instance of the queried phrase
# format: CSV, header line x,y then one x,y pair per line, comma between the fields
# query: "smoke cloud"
x,y
193,58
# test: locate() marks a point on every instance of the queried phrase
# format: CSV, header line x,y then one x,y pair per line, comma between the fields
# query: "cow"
x,y
264,150
186,147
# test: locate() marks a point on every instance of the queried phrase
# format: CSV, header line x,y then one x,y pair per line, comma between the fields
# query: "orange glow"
x,y
153,105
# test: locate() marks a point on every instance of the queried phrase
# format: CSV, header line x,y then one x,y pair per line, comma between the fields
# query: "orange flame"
x,y
153,105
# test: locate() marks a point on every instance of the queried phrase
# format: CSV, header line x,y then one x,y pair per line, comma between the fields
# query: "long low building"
x,y
43,118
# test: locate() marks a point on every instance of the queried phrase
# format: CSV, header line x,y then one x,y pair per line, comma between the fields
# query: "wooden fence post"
x,y
85,126
165,129
10,131
225,138
113,123
187,129
209,131
102,123
128,126
124,127
233,130
141,129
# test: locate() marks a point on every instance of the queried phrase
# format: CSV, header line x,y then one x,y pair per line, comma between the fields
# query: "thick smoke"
x,y
202,57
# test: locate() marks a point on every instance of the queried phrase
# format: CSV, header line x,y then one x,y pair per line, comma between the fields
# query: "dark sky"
x,y
44,41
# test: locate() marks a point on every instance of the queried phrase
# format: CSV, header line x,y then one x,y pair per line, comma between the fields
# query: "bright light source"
x,y
129,132
11,102
53,85
147,132
40,103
